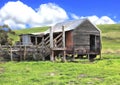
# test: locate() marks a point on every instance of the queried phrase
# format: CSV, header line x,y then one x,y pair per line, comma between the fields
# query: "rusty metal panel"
x,y
69,40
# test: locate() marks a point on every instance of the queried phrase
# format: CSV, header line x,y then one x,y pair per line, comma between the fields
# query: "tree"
x,y
4,38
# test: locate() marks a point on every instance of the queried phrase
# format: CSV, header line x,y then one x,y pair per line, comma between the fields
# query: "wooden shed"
x,y
79,37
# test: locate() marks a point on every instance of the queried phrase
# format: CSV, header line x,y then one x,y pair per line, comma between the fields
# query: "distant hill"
x,y
109,28
31,30
110,38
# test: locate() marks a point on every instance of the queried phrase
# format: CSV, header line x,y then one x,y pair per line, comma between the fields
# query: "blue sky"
x,y
78,8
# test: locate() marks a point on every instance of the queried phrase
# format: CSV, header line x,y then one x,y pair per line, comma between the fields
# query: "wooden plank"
x,y
25,52
64,52
59,48
100,46
63,36
77,46
36,40
81,44
11,56
52,56
43,41
60,45
51,37
59,40
60,35
47,38
40,43
47,42
15,50
20,52
64,56
51,44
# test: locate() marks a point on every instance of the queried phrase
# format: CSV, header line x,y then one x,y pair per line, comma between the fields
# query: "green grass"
x,y
100,72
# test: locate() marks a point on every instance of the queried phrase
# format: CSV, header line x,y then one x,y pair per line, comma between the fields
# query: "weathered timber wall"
x,y
81,36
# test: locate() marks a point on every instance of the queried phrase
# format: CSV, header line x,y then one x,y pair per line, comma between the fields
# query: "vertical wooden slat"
x,y
11,53
100,45
43,43
64,51
35,40
21,53
63,36
52,56
95,43
51,37
24,52
51,44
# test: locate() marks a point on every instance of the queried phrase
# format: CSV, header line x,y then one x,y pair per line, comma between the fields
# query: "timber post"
x,y
64,50
20,51
36,40
51,45
100,46
24,52
11,55
43,46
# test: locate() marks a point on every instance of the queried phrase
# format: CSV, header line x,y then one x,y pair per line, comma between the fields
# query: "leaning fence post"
x,y
11,55
24,52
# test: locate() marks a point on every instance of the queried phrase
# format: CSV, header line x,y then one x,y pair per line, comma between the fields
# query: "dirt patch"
x,y
1,70
82,76
108,51
118,51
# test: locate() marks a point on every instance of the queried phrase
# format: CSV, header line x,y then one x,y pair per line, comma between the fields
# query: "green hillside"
x,y
110,38
31,30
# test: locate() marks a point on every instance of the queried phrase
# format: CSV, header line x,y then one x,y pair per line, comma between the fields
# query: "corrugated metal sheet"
x,y
69,25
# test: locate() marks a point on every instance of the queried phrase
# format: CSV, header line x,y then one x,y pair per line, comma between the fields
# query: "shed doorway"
x,y
92,43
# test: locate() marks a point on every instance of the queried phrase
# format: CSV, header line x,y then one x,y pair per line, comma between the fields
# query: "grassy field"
x,y
82,72
99,72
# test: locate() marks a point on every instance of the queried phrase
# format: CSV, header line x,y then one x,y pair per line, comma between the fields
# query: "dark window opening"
x,y
33,40
92,42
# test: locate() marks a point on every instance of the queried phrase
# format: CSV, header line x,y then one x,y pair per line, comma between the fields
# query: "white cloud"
x,y
96,20
105,20
74,16
17,15
52,13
